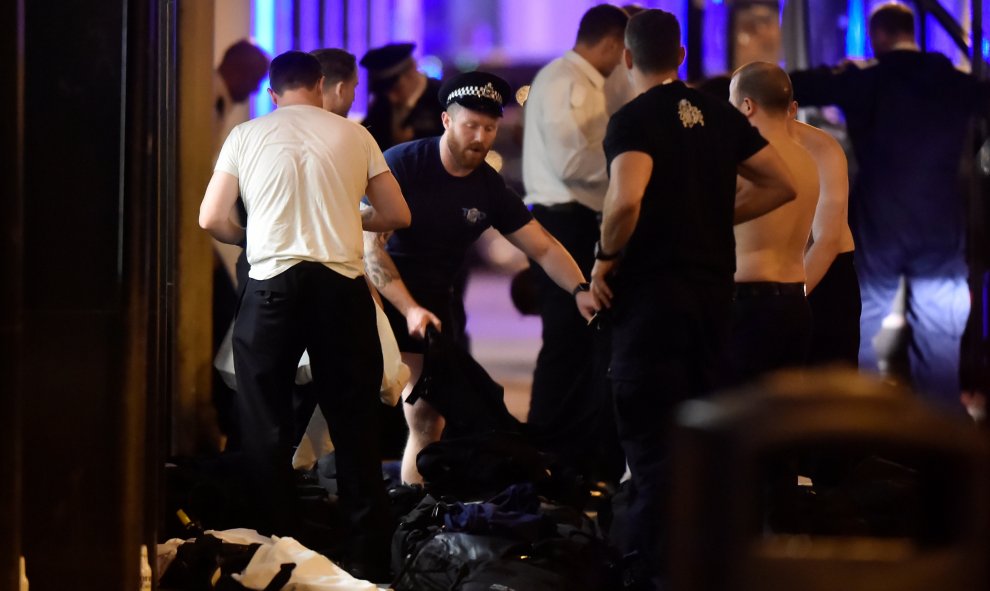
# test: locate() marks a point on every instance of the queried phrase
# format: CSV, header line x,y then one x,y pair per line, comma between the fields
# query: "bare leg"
x,y
425,423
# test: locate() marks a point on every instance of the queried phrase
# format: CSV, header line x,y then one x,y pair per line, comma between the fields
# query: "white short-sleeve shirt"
x,y
563,158
302,172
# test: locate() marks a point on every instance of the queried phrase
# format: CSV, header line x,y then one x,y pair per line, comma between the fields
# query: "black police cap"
x,y
478,91
384,64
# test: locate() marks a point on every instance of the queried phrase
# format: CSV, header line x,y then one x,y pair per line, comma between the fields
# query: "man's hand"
x,y
600,290
586,305
417,319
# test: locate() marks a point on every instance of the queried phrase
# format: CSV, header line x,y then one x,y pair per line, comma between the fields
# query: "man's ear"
x,y
748,107
338,89
627,58
445,119
680,56
274,97
792,110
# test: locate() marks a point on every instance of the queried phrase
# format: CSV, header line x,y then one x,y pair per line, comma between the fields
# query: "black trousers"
x,y
570,408
771,328
311,307
668,345
835,310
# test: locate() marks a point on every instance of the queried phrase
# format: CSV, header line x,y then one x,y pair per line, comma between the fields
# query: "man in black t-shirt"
x,y
454,195
666,255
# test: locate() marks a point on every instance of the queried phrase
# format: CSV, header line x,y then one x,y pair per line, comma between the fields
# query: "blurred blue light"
x,y
986,48
856,33
432,66
263,31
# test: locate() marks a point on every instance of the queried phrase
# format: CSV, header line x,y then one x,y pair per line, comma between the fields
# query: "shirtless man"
x,y
771,325
833,289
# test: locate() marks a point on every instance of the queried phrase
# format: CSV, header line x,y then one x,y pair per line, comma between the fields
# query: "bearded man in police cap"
x,y
454,196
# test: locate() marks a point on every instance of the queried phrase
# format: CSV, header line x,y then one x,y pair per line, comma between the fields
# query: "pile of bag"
x,y
512,541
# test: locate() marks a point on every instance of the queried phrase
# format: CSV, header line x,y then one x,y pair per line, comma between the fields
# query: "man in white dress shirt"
x,y
565,177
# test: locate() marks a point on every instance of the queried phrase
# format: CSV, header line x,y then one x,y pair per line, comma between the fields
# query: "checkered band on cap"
x,y
486,92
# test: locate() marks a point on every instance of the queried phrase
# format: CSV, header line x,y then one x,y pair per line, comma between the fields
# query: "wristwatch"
x,y
601,255
580,287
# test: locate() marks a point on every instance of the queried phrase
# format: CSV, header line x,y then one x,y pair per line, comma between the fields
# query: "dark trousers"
x,y
311,307
668,345
771,328
570,408
835,310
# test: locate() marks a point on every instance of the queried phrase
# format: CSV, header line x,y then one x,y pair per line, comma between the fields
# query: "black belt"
x,y
753,289
570,206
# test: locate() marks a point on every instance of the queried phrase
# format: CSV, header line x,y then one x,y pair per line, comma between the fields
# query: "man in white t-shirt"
x,y
302,172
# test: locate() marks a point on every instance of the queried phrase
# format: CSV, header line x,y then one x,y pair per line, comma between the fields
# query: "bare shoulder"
x,y
819,143
802,164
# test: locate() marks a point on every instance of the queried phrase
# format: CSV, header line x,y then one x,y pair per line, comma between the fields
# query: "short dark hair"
x,y
292,70
604,20
654,39
892,18
767,85
337,65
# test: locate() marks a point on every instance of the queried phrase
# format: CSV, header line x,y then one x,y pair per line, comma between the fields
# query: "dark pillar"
x,y
90,288
11,254
695,41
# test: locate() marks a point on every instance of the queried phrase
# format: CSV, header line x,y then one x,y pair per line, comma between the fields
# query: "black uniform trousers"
x,y
312,307
668,345
771,328
835,310
570,410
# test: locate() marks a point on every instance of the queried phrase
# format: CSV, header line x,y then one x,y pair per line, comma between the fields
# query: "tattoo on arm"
x,y
378,265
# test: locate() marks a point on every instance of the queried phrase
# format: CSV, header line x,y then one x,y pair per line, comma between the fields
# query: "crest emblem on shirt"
x,y
690,115
473,215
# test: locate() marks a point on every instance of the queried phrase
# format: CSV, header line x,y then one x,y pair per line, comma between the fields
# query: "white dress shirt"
x,y
563,158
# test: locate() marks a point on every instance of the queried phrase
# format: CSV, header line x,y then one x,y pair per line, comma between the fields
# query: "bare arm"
x,y
631,173
769,185
383,274
389,210
831,213
216,212
539,245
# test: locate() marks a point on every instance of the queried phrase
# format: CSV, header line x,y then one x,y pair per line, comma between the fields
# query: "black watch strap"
x,y
601,255
580,287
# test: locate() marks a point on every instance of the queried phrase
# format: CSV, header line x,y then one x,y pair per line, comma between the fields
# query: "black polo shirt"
x,y
674,286
696,143
448,214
